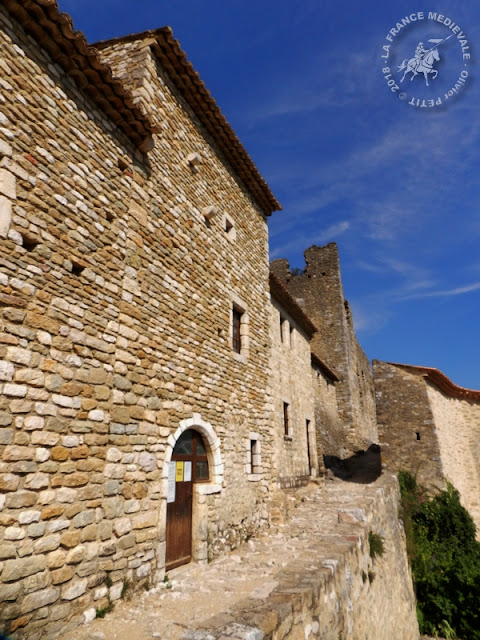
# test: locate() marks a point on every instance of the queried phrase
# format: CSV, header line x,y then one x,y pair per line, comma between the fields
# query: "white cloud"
x,y
302,240
457,291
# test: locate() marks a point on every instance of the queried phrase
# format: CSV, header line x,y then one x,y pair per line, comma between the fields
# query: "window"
x,y
286,421
309,455
283,324
239,329
190,449
286,332
229,227
253,465
236,332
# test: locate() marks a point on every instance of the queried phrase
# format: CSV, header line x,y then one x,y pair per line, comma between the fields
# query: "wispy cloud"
x,y
301,241
457,291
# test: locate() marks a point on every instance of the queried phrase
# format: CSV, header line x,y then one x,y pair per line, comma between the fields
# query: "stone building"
x,y
293,391
158,384
431,427
134,320
318,290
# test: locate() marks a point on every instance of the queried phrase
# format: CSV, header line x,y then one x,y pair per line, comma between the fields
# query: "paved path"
x,y
195,592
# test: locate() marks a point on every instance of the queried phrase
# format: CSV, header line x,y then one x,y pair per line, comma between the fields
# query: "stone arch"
x,y
213,448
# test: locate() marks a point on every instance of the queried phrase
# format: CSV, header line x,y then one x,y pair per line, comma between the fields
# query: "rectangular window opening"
x,y
229,227
286,422
309,455
236,323
282,328
254,457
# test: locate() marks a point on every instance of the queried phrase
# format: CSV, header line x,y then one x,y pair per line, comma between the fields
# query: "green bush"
x,y
445,560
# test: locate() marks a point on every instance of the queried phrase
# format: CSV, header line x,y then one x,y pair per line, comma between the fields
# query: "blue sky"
x,y
395,185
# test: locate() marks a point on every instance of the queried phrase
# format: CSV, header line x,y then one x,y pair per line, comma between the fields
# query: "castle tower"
x,y
318,290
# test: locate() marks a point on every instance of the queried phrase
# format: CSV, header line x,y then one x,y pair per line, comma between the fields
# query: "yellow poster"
x,y
179,472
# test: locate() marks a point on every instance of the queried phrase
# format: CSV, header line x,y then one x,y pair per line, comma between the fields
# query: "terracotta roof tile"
x,y
440,380
55,33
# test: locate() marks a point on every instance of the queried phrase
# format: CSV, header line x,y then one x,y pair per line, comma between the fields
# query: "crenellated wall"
x,y
318,290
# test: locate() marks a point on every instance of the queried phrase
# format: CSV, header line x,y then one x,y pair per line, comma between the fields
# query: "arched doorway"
x,y
188,465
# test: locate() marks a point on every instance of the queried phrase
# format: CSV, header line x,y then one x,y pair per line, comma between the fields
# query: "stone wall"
x,y
406,427
428,431
318,290
457,425
115,335
291,382
327,420
334,589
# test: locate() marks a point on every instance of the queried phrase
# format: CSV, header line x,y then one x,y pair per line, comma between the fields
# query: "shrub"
x,y
445,560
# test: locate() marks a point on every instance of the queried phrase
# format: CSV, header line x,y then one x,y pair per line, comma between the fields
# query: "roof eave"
x,y
188,82
68,48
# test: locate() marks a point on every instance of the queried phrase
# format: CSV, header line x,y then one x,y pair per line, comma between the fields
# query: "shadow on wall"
x,y
363,467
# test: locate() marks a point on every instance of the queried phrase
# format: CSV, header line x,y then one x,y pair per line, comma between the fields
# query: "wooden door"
x,y
179,526
189,464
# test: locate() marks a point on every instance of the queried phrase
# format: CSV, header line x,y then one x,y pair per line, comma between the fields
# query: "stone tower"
x,y
318,290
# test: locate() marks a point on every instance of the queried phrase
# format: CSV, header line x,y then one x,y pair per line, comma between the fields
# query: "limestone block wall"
x,y
406,425
457,425
219,268
327,420
115,330
318,290
429,431
291,382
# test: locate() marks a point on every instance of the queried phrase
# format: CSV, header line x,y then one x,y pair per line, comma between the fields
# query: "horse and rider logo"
x,y
423,61
444,58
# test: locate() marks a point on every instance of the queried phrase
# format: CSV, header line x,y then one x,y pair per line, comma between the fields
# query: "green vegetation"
x,y
376,544
101,613
445,560
126,592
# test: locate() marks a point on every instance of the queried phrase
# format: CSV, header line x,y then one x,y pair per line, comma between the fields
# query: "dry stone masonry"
x,y
116,324
431,427
159,380
318,290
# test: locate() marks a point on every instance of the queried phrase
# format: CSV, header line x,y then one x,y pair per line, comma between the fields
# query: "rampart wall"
x,y
430,427
334,588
